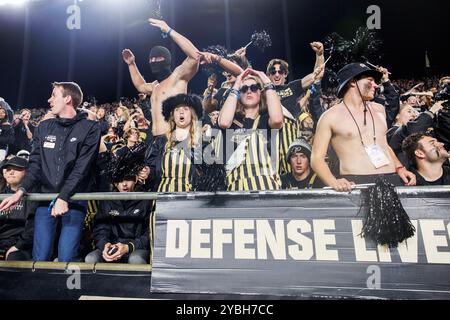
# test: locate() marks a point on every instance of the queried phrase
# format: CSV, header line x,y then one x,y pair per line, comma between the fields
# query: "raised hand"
x,y
239,78
128,56
437,106
240,52
161,24
317,47
385,72
261,75
207,57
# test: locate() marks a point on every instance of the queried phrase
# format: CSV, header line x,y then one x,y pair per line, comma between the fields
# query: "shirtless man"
x,y
168,83
357,129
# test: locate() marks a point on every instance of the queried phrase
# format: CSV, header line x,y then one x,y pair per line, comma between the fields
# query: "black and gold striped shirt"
x,y
289,133
257,170
173,165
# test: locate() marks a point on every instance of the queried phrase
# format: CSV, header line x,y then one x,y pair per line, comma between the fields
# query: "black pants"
x,y
370,178
21,255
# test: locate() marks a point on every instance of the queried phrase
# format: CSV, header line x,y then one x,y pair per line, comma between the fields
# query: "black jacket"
x,y
17,225
64,151
6,135
396,135
315,107
104,126
21,141
123,221
391,102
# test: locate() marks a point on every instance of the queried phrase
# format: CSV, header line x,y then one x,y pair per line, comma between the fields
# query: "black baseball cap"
x,y
15,161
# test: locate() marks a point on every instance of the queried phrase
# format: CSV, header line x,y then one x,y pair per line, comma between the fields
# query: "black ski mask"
x,y
160,69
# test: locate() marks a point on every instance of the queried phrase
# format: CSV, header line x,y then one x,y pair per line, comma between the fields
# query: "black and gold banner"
x,y
305,243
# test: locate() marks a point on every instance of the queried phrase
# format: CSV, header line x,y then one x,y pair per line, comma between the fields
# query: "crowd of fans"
x,y
253,131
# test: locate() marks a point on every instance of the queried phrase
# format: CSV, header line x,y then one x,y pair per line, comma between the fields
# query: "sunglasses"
x,y
274,71
253,88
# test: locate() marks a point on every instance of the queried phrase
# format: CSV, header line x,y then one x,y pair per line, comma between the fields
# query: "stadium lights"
x,y
13,2
19,2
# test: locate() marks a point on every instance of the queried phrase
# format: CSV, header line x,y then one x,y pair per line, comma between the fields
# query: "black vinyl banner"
x,y
298,243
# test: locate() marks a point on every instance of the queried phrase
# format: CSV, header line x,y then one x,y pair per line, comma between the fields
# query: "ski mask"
x,y
160,69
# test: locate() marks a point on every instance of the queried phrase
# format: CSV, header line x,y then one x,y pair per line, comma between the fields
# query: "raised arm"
x,y
228,110
308,80
315,107
227,65
209,103
274,107
137,78
184,43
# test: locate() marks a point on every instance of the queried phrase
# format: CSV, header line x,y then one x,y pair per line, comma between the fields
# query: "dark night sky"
x,y
92,56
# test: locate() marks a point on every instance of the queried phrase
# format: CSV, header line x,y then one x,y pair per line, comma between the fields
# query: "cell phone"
x,y
112,250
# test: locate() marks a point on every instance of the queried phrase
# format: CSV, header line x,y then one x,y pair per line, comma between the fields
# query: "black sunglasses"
x,y
253,88
274,71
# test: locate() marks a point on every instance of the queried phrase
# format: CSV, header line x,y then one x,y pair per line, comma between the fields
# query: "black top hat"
x,y
14,161
352,70
189,100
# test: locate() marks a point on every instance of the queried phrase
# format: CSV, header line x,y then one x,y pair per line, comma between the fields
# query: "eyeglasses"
x,y
253,88
274,71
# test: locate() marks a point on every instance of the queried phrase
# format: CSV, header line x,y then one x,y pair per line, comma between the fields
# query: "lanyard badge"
x,y
376,155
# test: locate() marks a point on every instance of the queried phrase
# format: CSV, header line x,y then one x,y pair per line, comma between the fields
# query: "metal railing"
x,y
156,195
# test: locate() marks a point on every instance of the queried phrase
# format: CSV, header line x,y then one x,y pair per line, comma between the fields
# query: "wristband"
x,y
234,91
23,190
51,205
130,247
269,86
166,34
431,114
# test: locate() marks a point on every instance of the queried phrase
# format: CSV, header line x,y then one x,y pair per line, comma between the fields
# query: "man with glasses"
x,y
278,70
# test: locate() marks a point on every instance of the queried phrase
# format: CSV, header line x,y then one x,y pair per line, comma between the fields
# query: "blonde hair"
x,y
240,109
193,131
126,112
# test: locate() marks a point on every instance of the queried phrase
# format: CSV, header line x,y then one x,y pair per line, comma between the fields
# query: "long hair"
x,y
240,109
4,119
126,112
193,131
